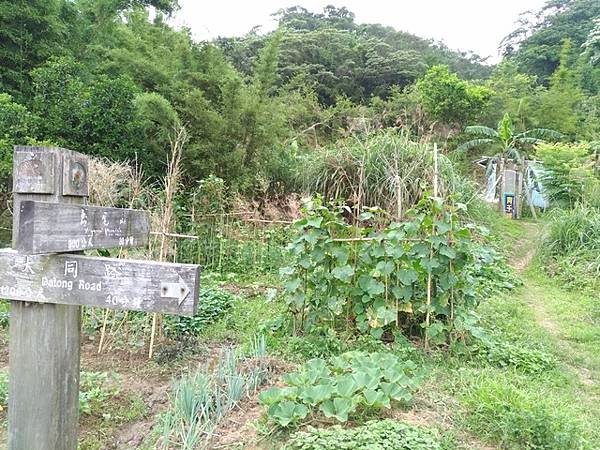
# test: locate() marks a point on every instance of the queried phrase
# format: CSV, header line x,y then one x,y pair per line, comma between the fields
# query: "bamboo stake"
x,y
171,183
177,235
429,275
435,171
103,332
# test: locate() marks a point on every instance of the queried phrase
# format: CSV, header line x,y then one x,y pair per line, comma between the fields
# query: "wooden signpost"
x,y
44,228
103,282
48,285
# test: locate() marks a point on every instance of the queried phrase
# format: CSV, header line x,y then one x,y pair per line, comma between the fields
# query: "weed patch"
x,y
506,354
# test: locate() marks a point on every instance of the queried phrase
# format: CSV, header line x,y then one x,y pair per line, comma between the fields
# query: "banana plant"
x,y
511,144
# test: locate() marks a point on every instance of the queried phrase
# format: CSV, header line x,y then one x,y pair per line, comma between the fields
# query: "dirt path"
x,y
523,254
524,248
538,296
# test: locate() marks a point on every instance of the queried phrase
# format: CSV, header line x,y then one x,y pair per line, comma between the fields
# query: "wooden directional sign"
x,y
55,228
104,282
49,284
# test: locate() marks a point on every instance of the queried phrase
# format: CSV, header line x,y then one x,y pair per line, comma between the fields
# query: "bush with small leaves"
x,y
3,389
95,388
212,305
506,354
373,435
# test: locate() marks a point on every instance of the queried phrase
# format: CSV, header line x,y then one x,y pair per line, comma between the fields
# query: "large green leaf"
x,y
315,395
346,385
376,398
343,273
271,396
540,133
314,221
287,412
339,408
370,285
407,276
384,268
341,254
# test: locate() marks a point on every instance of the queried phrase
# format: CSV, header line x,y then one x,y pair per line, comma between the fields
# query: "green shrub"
x,y
384,168
321,343
573,230
4,313
181,347
352,383
94,390
568,171
212,305
520,418
580,270
570,248
373,435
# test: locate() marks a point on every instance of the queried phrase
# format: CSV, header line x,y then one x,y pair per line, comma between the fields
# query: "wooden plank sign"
x,y
103,282
54,228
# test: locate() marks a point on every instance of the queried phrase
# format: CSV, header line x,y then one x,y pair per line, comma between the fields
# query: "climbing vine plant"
x,y
419,277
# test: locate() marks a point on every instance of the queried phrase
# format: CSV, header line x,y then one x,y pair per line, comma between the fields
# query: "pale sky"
x,y
468,25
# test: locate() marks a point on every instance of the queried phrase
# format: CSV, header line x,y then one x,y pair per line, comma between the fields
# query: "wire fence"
x,y
226,243
236,243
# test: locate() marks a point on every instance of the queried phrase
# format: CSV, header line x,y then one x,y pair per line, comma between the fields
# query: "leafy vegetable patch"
x,y
352,383
374,435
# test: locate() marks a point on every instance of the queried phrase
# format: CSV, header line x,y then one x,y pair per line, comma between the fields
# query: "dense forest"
x,y
112,78
375,272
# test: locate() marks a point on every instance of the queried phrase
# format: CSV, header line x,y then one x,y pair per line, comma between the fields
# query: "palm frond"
x,y
514,153
505,128
540,133
482,131
474,143
529,140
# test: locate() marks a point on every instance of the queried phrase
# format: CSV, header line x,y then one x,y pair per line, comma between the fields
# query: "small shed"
x,y
510,185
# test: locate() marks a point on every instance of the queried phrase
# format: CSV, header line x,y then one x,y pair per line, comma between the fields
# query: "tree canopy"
x,y
112,78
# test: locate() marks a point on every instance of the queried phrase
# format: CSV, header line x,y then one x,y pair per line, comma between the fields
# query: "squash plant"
x,y
418,275
350,383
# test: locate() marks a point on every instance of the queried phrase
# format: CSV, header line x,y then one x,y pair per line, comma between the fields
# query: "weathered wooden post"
x,y
50,185
43,410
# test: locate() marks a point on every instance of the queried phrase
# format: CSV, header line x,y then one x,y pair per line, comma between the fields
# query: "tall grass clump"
x,y
570,248
383,168
573,230
504,410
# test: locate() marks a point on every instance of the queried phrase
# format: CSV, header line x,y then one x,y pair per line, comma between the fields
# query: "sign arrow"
x,y
179,290
103,282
